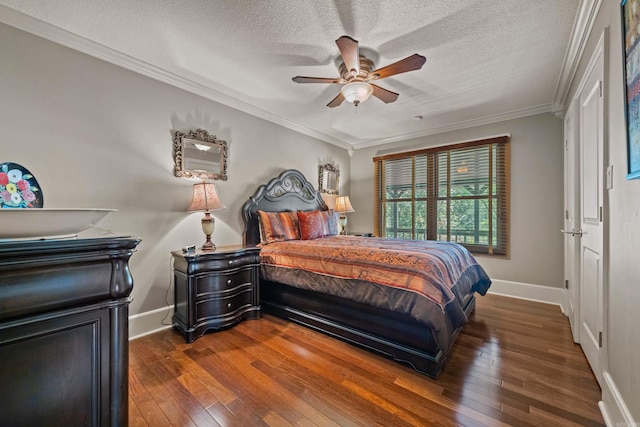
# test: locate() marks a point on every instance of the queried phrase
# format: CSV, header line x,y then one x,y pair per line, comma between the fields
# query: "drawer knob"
x,y
229,305
229,282
230,261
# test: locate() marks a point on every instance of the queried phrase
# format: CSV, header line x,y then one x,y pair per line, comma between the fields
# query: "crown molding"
x,y
516,114
68,39
582,25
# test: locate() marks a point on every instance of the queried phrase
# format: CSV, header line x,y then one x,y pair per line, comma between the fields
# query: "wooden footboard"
x,y
384,332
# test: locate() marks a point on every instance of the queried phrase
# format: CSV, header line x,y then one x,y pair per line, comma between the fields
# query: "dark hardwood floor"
x,y
513,364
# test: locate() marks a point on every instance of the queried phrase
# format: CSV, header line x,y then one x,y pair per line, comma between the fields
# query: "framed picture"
x,y
630,14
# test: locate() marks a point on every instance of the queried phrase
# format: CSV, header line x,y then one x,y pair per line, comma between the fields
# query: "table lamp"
x,y
205,198
343,205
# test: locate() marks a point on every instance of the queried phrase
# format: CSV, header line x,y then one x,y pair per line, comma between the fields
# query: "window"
x,y
457,193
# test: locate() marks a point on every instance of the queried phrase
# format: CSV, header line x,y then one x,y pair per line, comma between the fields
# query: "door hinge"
x,y
566,144
600,339
600,214
566,284
600,87
566,214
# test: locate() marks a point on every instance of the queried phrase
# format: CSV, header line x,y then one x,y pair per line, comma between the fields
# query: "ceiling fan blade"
x,y
410,63
384,95
302,79
350,53
336,101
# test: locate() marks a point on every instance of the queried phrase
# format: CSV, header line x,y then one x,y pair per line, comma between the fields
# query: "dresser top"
x,y
10,249
220,252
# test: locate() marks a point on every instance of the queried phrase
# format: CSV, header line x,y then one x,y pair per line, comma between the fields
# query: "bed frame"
x,y
385,332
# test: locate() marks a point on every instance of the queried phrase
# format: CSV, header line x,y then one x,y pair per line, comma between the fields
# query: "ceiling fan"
x,y
357,72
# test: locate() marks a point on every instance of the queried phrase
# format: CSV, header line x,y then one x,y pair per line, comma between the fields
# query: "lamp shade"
x,y
356,92
343,205
205,198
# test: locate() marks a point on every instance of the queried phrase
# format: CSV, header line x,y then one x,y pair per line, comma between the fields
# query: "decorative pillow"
x,y
331,218
278,226
312,224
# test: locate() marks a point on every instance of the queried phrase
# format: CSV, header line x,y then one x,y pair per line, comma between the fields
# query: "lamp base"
x,y
343,223
208,224
208,246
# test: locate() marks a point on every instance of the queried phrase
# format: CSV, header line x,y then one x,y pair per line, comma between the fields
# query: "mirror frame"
x,y
202,136
328,168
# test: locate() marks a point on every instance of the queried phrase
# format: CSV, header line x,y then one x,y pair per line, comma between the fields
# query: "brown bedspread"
x,y
428,280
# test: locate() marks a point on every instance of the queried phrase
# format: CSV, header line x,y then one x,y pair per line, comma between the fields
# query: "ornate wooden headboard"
x,y
289,191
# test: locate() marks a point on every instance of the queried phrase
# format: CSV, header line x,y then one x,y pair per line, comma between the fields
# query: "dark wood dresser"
x,y
64,349
213,290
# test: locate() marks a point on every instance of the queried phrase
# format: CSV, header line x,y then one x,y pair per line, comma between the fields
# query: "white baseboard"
x,y
544,294
613,407
149,322
160,319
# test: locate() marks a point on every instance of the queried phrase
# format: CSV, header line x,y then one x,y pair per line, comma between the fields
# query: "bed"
x,y
406,300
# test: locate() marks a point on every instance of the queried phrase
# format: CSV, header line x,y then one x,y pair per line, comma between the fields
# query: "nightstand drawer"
x,y
213,265
228,304
211,284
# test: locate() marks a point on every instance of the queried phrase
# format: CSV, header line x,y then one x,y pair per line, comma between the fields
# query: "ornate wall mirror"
x,y
199,155
328,179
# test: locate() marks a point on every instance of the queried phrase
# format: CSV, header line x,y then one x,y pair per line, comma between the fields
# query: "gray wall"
x,y
97,135
536,195
623,290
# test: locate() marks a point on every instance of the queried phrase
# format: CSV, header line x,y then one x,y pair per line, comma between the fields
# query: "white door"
x,y
571,221
591,217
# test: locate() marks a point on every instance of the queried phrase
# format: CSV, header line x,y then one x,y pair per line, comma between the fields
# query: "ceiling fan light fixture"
x,y
356,71
356,92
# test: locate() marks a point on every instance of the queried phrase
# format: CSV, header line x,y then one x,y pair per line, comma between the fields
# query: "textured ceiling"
x,y
486,59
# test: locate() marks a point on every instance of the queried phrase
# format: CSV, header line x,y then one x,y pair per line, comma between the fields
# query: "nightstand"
x,y
213,290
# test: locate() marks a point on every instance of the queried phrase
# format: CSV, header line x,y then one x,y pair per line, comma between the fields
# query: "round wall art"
x,y
18,187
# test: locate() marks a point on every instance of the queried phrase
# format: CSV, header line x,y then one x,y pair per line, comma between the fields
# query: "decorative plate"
x,y
18,187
